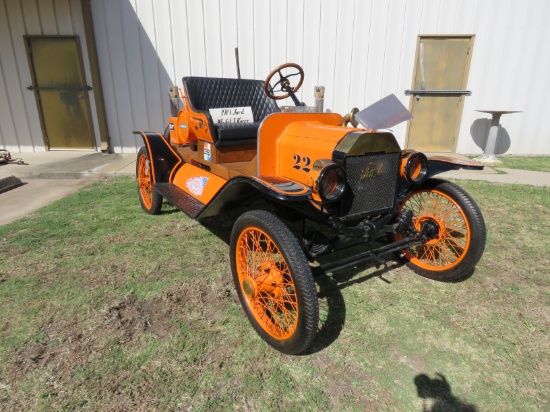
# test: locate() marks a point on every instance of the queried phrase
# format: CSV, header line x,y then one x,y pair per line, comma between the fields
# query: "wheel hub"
x,y
430,230
268,280
248,288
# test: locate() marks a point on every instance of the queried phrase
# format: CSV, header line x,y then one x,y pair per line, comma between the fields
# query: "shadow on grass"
x,y
437,395
221,225
332,305
168,208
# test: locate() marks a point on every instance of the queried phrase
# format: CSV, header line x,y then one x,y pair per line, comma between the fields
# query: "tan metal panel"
x,y
66,119
49,53
442,63
60,86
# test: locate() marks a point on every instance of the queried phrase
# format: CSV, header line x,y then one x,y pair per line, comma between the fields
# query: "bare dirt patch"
x,y
63,347
65,344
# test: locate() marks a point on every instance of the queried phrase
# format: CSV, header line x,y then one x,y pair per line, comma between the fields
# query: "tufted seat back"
x,y
206,93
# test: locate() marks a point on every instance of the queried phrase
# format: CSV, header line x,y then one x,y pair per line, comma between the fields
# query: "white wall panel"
x,y
120,103
377,48
342,56
63,18
360,53
245,37
328,49
107,78
360,50
180,39
228,33
133,59
294,41
31,17
212,32
278,32
153,68
262,39
195,31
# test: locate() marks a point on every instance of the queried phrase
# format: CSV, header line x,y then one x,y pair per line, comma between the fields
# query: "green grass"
x,y
107,308
538,164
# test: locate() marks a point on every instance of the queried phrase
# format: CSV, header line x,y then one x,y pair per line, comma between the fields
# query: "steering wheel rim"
x,y
269,90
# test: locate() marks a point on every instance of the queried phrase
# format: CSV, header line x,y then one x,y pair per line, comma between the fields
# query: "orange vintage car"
x,y
232,145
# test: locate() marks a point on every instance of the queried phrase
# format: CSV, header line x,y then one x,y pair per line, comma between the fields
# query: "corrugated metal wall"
x,y
360,50
19,121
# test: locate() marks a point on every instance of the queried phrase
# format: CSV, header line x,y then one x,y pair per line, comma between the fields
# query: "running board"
x,y
180,199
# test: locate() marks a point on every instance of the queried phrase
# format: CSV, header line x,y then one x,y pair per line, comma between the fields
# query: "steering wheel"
x,y
283,85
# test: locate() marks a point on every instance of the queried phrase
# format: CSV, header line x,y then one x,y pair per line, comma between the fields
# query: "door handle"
x,y
438,92
59,89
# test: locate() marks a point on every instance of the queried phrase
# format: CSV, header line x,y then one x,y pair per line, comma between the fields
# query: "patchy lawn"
x,y
107,308
538,164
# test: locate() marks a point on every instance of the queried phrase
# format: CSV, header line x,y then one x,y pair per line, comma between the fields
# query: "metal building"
x,y
82,74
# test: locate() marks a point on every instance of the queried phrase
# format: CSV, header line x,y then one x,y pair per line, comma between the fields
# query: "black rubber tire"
x,y
297,271
149,198
450,200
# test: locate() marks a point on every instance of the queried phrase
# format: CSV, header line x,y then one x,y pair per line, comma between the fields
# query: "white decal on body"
x,y
196,184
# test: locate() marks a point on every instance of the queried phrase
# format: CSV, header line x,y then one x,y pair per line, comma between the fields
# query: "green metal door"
x,y
441,75
61,92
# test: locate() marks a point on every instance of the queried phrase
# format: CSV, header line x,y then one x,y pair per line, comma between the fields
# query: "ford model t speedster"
x,y
231,145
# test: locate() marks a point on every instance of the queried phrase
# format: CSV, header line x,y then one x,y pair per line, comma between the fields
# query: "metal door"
x,y
437,98
61,92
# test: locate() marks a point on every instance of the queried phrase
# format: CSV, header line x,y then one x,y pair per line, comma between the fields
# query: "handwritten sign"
x,y
232,115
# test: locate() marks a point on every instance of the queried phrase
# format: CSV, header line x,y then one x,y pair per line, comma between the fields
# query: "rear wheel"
x,y
460,235
150,200
274,282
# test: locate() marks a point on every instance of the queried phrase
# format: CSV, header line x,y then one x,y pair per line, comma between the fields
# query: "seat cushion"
x,y
235,133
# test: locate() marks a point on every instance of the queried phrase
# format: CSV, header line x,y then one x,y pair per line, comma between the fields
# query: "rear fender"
x,y
164,160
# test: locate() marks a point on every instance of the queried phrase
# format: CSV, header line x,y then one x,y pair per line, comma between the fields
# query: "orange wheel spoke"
x,y
452,242
260,262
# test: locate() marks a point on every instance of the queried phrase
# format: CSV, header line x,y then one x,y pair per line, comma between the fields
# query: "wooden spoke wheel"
x,y
274,282
150,200
460,235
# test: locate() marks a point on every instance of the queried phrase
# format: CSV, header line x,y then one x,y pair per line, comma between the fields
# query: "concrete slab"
x,y
34,194
503,175
49,176
70,165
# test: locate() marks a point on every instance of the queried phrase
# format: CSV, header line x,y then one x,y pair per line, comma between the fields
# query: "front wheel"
x,y
453,252
274,282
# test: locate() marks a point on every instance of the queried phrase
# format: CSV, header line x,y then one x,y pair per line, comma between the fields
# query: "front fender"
x,y
436,165
440,164
246,189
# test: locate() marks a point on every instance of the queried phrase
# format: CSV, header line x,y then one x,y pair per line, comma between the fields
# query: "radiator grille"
x,y
372,182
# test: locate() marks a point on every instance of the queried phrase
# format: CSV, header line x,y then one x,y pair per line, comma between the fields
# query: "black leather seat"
x,y
206,93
